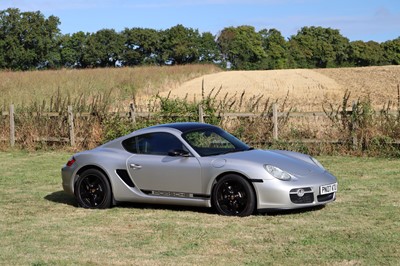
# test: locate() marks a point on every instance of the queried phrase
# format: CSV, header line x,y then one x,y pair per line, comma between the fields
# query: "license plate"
x,y
328,189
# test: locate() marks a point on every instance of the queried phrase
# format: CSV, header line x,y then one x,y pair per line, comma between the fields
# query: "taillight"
x,y
71,161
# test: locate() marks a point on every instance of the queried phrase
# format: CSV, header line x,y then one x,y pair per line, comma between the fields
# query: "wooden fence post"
x,y
275,120
132,113
12,126
354,122
201,114
71,126
398,101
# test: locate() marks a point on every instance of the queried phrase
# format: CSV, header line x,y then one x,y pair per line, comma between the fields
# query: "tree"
x,y
392,51
142,46
298,55
274,45
180,45
208,49
72,49
241,47
365,53
319,47
28,40
103,49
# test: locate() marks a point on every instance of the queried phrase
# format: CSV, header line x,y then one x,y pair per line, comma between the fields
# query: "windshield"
x,y
207,142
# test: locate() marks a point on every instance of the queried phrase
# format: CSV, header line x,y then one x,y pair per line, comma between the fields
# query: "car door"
x,y
153,170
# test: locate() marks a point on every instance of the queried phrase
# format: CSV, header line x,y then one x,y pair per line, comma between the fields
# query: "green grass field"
x,y
40,225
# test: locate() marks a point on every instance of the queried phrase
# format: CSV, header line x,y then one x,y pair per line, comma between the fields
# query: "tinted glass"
x,y
153,143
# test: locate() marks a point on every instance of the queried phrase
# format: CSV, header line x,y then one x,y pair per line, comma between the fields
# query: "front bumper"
x,y
277,194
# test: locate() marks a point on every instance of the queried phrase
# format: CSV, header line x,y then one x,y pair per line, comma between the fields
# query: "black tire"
x,y
233,196
92,190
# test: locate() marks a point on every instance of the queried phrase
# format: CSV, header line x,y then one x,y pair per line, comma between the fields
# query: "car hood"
x,y
294,163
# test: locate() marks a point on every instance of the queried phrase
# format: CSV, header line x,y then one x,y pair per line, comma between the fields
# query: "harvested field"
x,y
379,83
307,89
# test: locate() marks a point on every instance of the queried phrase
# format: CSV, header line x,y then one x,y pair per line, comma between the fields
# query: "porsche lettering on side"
x,y
196,164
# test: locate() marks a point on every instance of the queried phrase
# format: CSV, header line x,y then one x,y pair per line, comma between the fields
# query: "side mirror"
x,y
178,152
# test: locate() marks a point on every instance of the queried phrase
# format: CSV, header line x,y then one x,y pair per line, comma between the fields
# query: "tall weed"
x,y
357,127
364,130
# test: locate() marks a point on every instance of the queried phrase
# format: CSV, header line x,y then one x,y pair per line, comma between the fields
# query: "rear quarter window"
x,y
153,143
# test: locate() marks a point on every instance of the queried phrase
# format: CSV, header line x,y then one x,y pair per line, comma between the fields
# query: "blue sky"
x,y
365,20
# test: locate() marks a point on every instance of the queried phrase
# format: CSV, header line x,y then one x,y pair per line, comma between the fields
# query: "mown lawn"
x,y
40,225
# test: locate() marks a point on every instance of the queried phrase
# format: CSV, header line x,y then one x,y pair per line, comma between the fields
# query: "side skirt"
x,y
158,193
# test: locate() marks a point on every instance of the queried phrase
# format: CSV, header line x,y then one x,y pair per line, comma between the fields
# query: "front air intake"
x,y
302,195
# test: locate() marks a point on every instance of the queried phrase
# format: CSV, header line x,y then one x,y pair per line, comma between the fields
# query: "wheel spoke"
x,y
96,182
86,184
85,195
88,198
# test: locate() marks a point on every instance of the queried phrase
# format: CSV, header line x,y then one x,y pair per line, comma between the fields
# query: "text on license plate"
x,y
328,189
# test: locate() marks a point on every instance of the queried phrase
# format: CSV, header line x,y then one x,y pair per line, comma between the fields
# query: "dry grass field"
x,y
24,88
307,88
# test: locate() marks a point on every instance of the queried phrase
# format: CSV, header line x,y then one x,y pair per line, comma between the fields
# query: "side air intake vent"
x,y
123,174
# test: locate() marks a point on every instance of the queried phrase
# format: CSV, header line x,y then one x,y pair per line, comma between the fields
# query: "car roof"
x,y
186,126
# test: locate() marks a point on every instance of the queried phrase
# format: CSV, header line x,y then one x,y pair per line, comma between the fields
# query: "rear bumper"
x,y
67,180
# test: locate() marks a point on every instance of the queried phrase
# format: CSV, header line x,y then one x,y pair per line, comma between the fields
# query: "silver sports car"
x,y
196,164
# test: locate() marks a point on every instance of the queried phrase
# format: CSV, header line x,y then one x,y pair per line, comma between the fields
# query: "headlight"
x,y
317,163
277,173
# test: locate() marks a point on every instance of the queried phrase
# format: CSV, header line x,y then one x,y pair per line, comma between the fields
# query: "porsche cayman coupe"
x,y
196,164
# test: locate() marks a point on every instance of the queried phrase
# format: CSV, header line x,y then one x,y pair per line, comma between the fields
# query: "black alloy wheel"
x,y
233,196
92,190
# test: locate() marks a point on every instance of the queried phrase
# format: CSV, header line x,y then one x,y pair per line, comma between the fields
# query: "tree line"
x,y
29,40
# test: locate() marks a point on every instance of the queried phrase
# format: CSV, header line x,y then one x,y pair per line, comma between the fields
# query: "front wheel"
x,y
92,190
233,196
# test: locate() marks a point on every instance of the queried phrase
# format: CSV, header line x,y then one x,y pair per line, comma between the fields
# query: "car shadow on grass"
x,y
177,208
205,210
61,197
277,212
64,198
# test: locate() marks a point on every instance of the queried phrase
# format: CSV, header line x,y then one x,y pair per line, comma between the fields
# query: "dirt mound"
x,y
307,89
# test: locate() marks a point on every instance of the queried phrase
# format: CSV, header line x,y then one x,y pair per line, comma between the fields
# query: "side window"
x,y
152,143
130,145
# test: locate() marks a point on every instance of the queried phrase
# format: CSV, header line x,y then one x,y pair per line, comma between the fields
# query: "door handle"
x,y
135,166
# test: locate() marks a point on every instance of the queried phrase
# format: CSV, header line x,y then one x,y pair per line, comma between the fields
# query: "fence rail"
x,y
132,114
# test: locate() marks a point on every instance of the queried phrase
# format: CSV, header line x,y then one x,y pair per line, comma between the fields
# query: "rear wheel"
x,y
92,190
233,196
